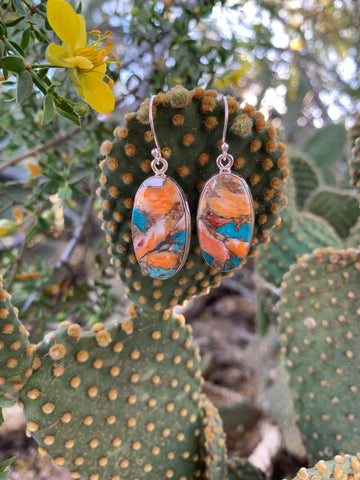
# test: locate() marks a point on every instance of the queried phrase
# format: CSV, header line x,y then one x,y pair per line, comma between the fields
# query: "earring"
x,y
225,216
160,219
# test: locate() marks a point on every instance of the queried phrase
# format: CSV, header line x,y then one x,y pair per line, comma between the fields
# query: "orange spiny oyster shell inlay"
x,y
225,221
160,227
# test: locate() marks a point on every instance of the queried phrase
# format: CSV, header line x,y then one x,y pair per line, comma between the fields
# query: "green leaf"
x,y
43,223
25,39
19,6
42,72
66,110
54,175
47,24
12,23
31,233
79,8
24,87
6,463
181,26
2,29
40,36
17,48
12,63
49,109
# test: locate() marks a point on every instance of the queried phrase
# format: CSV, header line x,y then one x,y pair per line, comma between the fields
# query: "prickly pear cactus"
x,y
354,235
240,468
320,330
189,127
344,467
339,207
299,232
355,166
212,442
121,401
118,401
15,349
307,177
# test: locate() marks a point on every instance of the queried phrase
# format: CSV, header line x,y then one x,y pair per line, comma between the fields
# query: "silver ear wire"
x,y
156,152
225,161
226,120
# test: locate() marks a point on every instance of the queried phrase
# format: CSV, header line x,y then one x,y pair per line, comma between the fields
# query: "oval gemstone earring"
x,y
225,216
160,219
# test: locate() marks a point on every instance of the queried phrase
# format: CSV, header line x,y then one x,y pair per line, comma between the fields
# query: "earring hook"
x,y
226,120
225,161
156,152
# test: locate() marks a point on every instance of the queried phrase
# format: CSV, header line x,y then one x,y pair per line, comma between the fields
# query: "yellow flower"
x,y
7,227
87,63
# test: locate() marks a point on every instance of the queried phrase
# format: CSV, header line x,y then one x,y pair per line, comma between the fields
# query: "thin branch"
x,y
74,240
40,148
77,234
18,261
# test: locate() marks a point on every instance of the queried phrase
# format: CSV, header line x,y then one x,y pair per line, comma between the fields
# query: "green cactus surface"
x,y
340,208
15,350
355,166
189,128
212,443
353,240
297,234
306,176
242,469
319,325
266,298
342,467
118,402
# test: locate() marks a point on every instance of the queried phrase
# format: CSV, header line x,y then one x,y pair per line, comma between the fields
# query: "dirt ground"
x,y
234,359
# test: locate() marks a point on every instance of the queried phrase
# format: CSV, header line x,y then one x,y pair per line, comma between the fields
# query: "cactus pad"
x,y
340,208
344,467
212,442
355,166
353,240
242,469
305,175
118,402
320,330
189,127
297,234
15,350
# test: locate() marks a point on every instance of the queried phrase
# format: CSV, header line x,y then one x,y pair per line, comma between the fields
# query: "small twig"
x,y
18,261
77,234
38,149
75,238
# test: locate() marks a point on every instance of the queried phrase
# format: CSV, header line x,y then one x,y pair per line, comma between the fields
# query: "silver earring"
x,y
161,226
225,216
